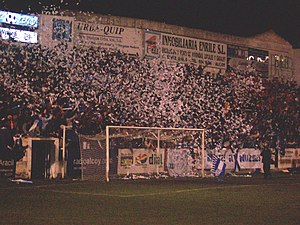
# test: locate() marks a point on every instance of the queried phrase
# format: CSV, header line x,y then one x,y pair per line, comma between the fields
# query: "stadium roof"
x,y
235,17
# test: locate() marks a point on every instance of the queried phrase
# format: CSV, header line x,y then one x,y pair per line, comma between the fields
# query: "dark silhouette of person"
x,y
6,140
267,161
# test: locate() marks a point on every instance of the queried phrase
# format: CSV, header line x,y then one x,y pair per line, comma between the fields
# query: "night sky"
x,y
236,17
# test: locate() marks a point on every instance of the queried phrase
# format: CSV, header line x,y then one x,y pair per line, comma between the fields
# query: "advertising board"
x,y
125,39
93,158
246,158
291,158
183,49
7,168
140,160
180,163
281,65
54,30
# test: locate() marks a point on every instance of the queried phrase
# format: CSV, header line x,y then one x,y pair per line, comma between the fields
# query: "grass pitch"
x,y
189,201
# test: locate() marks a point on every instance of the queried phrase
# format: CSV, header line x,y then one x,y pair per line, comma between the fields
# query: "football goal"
x,y
152,152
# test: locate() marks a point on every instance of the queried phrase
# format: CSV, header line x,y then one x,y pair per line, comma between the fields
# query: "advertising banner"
x,y
7,168
281,65
180,163
54,30
226,155
185,49
152,44
247,158
125,39
140,160
93,158
291,159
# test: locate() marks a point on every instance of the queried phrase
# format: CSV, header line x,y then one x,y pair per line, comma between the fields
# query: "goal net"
x,y
148,152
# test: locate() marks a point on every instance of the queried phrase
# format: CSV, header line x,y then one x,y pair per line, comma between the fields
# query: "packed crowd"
x,y
89,88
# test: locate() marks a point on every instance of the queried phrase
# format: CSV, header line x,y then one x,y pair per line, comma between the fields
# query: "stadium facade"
x,y
266,52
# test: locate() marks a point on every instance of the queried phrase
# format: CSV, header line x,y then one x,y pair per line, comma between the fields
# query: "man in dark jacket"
x,y
267,161
6,140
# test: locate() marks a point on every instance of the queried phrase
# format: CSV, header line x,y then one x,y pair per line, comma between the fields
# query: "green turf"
x,y
202,201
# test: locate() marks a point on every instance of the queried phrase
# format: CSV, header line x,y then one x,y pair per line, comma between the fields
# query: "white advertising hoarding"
x,y
125,39
246,158
182,49
291,158
140,160
180,163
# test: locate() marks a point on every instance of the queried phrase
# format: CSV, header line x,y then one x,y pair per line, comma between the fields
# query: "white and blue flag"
x,y
218,166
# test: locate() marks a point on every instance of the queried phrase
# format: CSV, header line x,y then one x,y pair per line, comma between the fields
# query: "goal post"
x,y
145,152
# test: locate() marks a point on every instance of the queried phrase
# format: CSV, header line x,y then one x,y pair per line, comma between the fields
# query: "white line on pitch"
x,y
161,193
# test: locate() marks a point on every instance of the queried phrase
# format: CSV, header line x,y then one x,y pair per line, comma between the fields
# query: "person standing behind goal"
x,y
266,160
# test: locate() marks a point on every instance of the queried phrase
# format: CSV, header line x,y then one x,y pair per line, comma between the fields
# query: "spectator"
x,y
266,160
90,88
